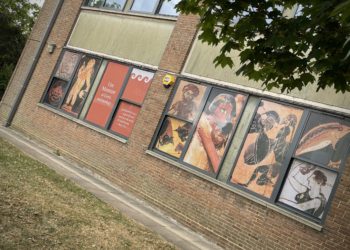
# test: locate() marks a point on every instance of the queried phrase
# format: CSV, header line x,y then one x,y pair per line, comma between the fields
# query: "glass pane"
x,y
173,136
125,118
325,141
94,3
67,65
168,8
144,5
265,147
56,92
115,4
187,100
307,188
81,84
107,93
138,85
214,130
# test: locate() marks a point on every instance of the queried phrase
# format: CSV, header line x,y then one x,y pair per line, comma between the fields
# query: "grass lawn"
x,y
41,210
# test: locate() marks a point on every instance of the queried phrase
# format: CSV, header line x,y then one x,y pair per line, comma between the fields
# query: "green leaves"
x,y
287,53
16,20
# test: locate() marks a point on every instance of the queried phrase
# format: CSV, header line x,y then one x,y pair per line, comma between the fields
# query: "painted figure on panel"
x,y
265,148
213,131
307,188
66,68
81,85
187,100
325,140
173,136
56,93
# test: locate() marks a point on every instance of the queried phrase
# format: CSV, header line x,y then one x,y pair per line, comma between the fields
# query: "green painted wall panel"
x,y
133,38
198,64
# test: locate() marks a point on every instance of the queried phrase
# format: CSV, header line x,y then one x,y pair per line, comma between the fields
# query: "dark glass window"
x,y
168,8
147,6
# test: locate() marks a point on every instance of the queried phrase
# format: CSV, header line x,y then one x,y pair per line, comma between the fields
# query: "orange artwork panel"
x,y
125,118
264,150
214,130
106,94
187,100
137,85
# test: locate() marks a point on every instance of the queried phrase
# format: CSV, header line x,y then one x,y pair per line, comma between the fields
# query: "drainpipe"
x,y
32,68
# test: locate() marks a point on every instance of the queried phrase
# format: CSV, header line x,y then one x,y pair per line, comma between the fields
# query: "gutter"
x,y
34,63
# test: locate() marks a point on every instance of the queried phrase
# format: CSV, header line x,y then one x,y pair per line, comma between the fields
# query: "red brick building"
x,y
247,168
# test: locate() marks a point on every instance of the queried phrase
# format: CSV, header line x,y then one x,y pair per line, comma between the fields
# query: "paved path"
x,y
130,206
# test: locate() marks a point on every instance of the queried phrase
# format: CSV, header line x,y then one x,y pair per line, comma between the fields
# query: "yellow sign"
x,y
168,80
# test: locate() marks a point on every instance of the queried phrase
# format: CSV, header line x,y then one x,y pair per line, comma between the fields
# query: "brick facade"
x,y
227,218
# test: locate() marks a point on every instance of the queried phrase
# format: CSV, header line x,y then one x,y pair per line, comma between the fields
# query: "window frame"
x,y
194,123
118,99
85,4
69,82
290,157
155,11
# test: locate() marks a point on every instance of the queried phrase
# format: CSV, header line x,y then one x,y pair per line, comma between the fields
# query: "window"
x,y
198,125
168,8
161,7
122,91
114,101
148,6
292,157
109,4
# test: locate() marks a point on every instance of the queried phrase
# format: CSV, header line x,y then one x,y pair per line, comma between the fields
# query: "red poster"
x,y
138,85
107,93
125,118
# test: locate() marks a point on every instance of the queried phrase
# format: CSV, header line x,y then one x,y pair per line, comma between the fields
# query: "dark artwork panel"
x,y
326,141
81,84
308,188
263,153
56,92
214,130
67,65
187,100
173,136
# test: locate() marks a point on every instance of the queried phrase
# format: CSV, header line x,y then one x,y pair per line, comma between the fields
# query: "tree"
x,y
16,19
280,51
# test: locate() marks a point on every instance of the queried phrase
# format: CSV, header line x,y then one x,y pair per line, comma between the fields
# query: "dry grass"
x,y
41,210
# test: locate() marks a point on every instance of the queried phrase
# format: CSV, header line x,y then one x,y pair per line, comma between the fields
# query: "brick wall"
x,y
229,219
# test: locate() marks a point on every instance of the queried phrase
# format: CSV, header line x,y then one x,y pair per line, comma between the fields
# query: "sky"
x,y
39,2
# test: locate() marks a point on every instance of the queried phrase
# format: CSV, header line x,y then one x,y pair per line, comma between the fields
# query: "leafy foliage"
x,y
16,18
280,51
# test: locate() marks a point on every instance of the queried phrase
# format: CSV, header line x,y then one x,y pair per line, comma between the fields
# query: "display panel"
x,y
265,147
214,129
137,86
125,118
308,188
173,136
81,84
67,65
56,92
326,141
187,100
106,95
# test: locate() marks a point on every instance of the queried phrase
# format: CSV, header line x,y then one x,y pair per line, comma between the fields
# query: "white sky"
x,y
39,2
